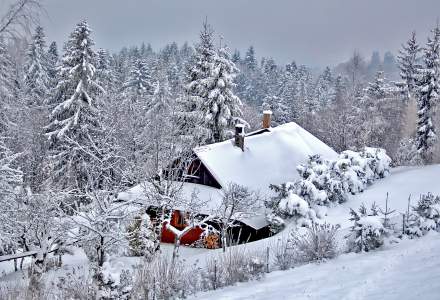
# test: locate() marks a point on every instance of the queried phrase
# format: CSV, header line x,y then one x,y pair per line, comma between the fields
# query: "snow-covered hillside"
x,y
405,270
402,183
409,270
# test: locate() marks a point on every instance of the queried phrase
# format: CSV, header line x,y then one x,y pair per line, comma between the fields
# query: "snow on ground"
x,y
408,270
402,182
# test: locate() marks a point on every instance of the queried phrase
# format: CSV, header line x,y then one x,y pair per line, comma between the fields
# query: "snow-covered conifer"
x,y
199,85
139,81
323,89
367,232
75,128
378,89
222,108
36,69
141,237
425,216
429,91
409,63
6,71
249,59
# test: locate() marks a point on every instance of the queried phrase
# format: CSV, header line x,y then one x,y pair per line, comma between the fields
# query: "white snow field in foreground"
x,y
408,270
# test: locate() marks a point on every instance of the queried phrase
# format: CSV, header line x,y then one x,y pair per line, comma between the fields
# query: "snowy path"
x,y
409,270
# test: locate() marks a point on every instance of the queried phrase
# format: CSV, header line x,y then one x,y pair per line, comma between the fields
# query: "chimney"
x,y
239,136
267,116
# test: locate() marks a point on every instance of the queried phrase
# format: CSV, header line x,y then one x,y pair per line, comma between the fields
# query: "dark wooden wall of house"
x,y
198,173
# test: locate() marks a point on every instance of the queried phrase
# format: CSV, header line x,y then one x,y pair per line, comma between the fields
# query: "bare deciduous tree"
x,y
20,17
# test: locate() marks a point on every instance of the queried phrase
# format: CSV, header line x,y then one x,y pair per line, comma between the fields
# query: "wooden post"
x,y
403,224
267,259
214,285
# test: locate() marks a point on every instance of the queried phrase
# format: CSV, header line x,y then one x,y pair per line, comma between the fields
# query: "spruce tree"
x,y
6,86
104,72
429,91
221,109
323,88
199,84
236,58
6,71
409,63
75,128
36,69
139,81
249,60
52,57
378,89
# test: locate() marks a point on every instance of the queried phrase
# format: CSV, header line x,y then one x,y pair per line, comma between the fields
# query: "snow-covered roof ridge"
x,y
269,157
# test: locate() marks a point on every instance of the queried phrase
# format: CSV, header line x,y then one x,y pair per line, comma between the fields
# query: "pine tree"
x,y
160,101
139,81
75,129
304,90
104,72
199,84
377,89
52,63
409,63
249,60
6,86
36,69
289,92
323,88
222,108
6,71
236,58
429,91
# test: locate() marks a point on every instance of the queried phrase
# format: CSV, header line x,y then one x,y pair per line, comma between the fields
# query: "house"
x,y
254,160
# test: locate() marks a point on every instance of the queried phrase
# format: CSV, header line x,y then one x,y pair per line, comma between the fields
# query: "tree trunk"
x,y
224,233
176,249
101,252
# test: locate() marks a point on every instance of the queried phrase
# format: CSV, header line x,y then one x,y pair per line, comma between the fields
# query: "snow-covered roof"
x,y
211,195
270,157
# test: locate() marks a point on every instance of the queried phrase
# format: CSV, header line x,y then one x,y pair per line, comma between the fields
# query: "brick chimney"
x,y
239,136
267,116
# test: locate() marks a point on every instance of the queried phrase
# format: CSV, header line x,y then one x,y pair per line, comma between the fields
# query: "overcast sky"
x,y
314,32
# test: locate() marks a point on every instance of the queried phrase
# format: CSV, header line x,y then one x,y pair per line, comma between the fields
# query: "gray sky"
x,y
314,32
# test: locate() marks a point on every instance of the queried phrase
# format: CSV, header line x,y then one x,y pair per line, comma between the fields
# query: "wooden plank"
x,y
17,255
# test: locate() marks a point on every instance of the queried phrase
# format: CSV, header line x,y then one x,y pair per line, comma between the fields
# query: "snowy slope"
x,y
408,270
402,182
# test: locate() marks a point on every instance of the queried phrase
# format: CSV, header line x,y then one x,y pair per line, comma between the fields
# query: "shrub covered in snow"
x,y
317,244
367,232
161,278
235,265
141,237
289,205
407,153
335,180
425,216
283,257
326,181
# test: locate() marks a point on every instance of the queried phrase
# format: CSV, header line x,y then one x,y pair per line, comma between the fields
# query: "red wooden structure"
x,y
178,222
